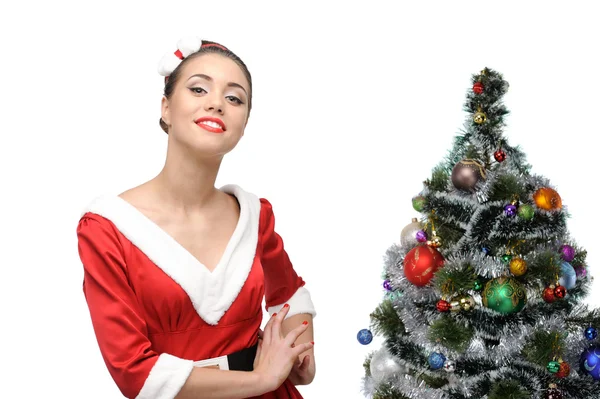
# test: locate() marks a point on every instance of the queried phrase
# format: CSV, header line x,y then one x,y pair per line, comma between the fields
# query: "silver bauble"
x,y
408,236
449,365
385,367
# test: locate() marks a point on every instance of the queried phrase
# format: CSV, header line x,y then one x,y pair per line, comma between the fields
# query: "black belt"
x,y
242,360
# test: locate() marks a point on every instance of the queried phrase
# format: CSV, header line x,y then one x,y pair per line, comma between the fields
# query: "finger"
x,y
260,334
268,331
296,332
276,332
305,363
301,348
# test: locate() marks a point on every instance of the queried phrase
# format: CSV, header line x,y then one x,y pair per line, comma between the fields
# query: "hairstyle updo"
x,y
207,47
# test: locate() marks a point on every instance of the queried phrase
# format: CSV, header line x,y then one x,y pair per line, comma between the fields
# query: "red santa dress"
x,y
157,312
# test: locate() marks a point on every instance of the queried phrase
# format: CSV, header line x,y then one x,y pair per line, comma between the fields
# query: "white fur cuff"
x,y
300,302
166,378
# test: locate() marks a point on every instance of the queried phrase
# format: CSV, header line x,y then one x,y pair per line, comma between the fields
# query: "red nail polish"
x,y
312,343
274,314
286,306
305,322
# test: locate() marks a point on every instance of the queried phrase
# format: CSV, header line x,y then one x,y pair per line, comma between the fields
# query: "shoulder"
x,y
259,207
95,217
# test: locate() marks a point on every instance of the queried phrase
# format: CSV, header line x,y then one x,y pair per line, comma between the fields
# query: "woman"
x,y
175,270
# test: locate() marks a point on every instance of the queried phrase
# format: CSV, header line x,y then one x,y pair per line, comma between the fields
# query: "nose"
x,y
214,102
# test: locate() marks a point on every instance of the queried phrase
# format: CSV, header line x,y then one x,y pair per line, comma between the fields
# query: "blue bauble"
x,y
590,362
364,336
436,360
591,333
568,277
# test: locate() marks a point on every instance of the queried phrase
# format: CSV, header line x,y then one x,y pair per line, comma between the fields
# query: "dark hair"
x,y
207,47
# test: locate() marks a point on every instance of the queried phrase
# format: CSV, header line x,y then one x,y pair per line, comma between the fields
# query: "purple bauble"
x,y
510,210
581,272
387,285
567,253
421,236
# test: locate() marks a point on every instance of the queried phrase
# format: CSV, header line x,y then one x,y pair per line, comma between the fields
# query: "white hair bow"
x,y
185,47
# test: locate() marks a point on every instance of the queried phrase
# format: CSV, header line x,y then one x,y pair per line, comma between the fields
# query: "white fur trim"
x,y
168,63
211,293
189,45
166,378
300,302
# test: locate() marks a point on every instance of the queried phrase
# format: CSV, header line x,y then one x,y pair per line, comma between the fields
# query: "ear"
x,y
165,111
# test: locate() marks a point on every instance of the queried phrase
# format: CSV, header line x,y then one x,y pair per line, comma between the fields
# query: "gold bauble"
x,y
462,302
547,199
518,266
479,118
435,242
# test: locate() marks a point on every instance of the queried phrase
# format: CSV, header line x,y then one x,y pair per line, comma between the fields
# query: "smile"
x,y
214,125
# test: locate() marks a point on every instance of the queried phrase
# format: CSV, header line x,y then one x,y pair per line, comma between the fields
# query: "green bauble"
x,y
526,212
418,203
504,295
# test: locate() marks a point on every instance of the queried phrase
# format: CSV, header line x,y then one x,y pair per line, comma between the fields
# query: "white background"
x,y
354,103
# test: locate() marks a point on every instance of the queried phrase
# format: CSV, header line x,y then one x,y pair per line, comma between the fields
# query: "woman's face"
x,y
208,109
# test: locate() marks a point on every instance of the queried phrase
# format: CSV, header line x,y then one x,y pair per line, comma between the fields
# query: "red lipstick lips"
x,y
214,125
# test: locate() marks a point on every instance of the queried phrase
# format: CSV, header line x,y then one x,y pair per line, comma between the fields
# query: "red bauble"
x,y
560,291
421,263
500,155
478,88
443,306
564,370
548,295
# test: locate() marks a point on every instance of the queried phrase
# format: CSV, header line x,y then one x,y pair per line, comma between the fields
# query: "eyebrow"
x,y
206,77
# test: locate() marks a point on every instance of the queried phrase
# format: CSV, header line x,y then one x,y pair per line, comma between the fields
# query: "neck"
x,y
187,182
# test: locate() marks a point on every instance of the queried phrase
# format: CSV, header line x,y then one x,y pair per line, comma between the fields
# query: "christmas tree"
x,y
485,291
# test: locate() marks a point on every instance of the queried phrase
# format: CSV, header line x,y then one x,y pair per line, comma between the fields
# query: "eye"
x,y
234,99
197,90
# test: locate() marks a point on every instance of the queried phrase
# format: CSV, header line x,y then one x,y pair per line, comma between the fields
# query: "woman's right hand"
x,y
277,354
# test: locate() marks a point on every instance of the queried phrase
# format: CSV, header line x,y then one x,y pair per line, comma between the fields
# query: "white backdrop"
x,y
354,104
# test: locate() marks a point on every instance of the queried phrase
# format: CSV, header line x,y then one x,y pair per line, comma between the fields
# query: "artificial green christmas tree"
x,y
485,291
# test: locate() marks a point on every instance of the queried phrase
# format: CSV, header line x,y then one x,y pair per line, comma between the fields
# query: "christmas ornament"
x,y
477,285
518,266
418,203
462,302
591,333
486,250
504,295
567,253
553,392
568,277
590,362
435,241
553,366
563,371
436,360
478,88
421,263
387,285
510,210
392,295
467,173
526,212
506,258
364,336
547,199
421,236
500,156
443,306
548,294
385,367
580,272
449,366
560,291
479,117
408,235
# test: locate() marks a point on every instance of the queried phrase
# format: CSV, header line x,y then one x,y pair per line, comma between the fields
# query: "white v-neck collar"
x,y
211,293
